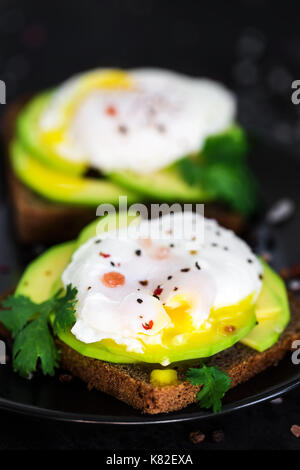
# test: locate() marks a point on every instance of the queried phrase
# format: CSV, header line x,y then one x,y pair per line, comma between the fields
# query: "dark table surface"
x,y
253,47
266,426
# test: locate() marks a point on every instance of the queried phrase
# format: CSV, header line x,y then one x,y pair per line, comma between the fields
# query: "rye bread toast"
x,y
131,382
38,220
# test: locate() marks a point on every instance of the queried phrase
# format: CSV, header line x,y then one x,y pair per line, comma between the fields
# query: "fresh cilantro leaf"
x,y
235,185
18,313
221,170
29,324
190,170
215,384
229,147
32,343
64,310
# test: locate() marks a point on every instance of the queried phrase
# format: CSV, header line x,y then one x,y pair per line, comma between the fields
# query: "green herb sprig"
x,y
215,384
30,325
221,170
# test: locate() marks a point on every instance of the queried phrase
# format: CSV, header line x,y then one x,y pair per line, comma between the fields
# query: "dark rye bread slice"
x,y
38,220
131,382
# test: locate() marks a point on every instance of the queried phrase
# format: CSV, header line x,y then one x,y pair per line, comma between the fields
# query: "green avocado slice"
x,y
41,274
61,187
164,185
42,278
28,133
272,312
100,225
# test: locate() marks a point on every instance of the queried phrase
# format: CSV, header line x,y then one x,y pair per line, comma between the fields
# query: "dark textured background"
x,y
252,46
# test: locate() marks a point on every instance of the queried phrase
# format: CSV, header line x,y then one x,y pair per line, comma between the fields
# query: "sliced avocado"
x,y
104,224
272,312
60,187
29,134
42,278
42,274
163,185
228,147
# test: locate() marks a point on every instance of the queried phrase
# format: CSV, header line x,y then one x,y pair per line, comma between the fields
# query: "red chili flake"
x,y
104,255
111,111
113,279
148,326
161,252
229,329
158,291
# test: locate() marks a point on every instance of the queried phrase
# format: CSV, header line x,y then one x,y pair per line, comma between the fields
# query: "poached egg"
x,y
140,120
142,286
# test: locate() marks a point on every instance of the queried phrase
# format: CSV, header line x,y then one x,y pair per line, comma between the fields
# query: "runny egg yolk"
x,y
221,324
105,80
179,310
222,321
158,309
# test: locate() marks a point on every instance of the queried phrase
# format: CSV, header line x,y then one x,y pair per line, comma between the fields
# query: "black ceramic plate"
x,y
50,398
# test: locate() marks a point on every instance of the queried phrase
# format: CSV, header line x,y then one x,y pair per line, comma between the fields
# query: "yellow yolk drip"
x,y
182,336
222,321
163,377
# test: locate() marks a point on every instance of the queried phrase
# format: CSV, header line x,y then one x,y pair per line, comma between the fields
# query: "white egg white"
x,y
213,270
160,118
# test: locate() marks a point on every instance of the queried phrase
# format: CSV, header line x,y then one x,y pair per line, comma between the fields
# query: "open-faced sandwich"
x,y
148,134
159,314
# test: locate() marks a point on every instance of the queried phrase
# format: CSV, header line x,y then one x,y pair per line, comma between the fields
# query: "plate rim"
x,y
185,415
163,418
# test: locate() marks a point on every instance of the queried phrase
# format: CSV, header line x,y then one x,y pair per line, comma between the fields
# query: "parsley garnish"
x,y
29,324
222,171
215,384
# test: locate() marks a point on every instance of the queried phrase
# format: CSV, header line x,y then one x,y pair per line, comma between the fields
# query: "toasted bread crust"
x,y
38,220
131,383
